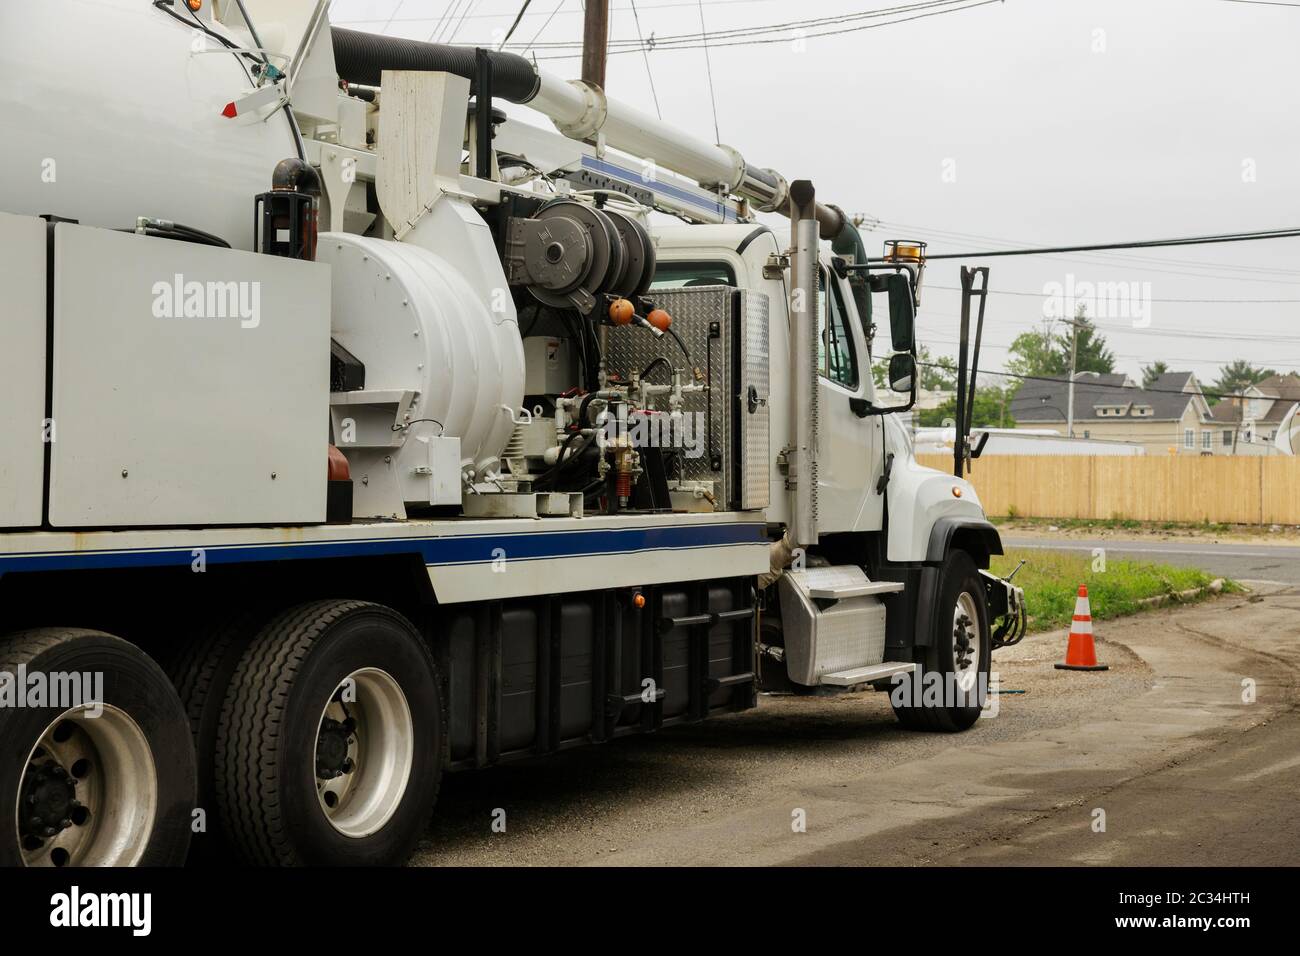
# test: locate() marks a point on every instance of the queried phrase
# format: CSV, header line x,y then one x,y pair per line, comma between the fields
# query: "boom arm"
x,y
582,111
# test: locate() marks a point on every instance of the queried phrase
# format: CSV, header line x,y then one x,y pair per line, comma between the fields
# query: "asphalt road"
x,y
1243,562
1185,770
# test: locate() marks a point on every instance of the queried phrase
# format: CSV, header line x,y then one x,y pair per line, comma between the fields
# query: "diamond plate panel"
x,y
755,410
703,318
822,640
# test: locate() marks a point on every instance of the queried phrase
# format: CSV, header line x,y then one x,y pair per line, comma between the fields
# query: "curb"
x,y
1214,587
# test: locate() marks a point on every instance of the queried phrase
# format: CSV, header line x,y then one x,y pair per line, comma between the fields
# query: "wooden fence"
x,y
1245,490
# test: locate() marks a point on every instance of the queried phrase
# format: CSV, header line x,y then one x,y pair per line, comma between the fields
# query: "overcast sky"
x,y
1028,122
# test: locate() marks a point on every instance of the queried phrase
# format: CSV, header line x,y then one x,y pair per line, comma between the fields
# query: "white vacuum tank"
x,y
437,321
110,112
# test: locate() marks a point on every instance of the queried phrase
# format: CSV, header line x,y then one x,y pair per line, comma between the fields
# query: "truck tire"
x,y
103,780
332,739
201,670
957,657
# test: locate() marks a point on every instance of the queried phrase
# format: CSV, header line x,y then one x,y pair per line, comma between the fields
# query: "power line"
x,y
1043,295
936,335
543,27
759,40
1136,244
1095,258
519,16
494,16
470,5
952,343
393,14
448,12
784,29
1243,338
1240,340
1062,381
708,65
649,74
1275,366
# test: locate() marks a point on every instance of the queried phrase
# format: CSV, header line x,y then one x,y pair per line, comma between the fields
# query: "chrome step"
x,y
843,592
867,674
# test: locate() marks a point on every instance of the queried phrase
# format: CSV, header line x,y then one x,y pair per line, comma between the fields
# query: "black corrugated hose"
x,y
361,58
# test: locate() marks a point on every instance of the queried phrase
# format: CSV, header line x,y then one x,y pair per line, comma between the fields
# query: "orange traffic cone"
x,y
1080,655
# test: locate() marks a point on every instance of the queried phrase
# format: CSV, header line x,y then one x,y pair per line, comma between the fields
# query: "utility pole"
x,y
1074,359
595,42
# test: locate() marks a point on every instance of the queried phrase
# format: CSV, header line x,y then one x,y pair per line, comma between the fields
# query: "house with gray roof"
x,y
1253,419
1170,417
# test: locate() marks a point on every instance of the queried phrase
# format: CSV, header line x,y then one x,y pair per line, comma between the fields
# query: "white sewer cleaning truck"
x,y
358,432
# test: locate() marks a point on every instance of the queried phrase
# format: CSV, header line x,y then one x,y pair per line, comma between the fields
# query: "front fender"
x,y
974,535
921,500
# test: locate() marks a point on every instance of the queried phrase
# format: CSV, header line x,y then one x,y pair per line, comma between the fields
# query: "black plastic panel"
x,y
533,676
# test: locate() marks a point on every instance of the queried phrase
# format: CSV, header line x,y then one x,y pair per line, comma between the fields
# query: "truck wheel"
x,y
106,779
201,671
955,667
332,739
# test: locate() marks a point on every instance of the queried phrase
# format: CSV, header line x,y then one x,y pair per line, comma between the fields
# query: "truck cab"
x,y
854,443
881,516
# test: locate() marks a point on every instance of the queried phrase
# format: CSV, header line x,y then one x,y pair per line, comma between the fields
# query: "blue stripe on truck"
x,y
700,199
436,551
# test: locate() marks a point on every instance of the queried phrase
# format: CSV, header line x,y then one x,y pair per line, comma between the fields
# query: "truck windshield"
x,y
688,275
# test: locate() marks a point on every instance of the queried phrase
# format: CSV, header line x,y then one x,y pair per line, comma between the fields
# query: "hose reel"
x,y
572,255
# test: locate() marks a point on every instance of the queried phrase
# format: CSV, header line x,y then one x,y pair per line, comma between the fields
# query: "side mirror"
x,y
902,369
902,314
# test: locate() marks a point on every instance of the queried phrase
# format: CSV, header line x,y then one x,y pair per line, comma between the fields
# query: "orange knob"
x,y
660,319
621,311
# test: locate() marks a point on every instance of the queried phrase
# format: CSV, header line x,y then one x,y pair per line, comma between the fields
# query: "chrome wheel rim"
x,y
364,753
89,793
965,641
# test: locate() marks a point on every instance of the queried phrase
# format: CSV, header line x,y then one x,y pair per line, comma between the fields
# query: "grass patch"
x,y
1127,524
1051,581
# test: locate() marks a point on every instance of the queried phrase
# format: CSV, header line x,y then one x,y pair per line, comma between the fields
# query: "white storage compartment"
x,y
191,384
23,429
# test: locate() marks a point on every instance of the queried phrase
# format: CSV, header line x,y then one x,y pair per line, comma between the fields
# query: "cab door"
x,y
849,441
